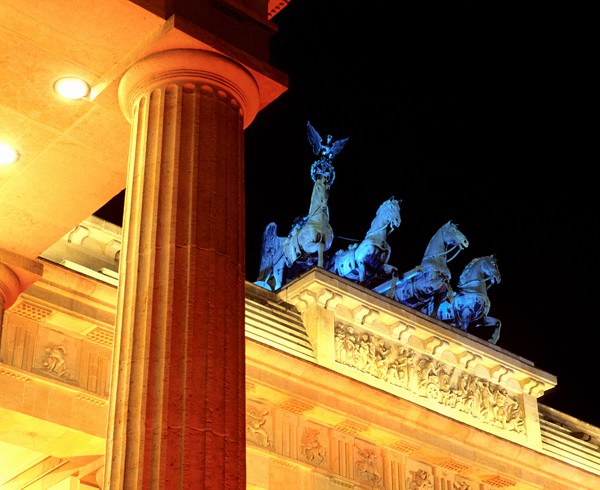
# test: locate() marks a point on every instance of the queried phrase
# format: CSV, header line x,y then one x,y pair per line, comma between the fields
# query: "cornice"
x,y
394,321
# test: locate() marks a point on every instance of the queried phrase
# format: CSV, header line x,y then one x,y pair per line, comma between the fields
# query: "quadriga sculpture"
x,y
425,286
361,262
311,236
470,305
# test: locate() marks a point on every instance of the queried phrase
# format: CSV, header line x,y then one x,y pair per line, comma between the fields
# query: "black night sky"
x,y
467,112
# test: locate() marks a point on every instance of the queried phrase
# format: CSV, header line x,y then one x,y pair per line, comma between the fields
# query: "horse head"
x,y
490,269
389,211
481,269
453,237
446,239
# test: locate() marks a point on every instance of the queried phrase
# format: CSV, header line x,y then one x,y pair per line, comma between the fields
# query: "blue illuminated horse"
x,y
425,287
469,307
361,262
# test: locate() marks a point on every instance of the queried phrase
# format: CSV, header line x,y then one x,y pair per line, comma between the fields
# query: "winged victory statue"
x,y
325,151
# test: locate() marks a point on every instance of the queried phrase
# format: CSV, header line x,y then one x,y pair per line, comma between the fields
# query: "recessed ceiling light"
x,y
72,88
8,154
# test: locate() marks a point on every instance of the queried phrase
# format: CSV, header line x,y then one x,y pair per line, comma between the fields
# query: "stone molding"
x,y
421,375
316,427
185,68
399,350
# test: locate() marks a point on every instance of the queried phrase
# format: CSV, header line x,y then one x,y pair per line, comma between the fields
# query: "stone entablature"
x,y
40,413
378,341
309,425
61,329
319,456
388,434
94,246
55,364
61,359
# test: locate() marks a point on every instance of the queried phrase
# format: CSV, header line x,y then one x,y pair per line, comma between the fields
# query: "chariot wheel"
x,y
432,391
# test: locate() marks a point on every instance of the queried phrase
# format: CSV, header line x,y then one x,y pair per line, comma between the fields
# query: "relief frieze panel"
x,y
256,432
54,361
419,480
54,364
312,449
348,460
54,353
461,484
323,302
368,466
428,378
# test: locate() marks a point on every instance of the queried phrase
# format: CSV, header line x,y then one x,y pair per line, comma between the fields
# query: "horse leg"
x,y
490,321
464,318
362,273
321,254
278,273
394,282
434,303
496,335
389,270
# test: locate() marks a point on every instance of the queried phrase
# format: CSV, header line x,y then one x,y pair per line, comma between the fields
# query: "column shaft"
x,y
177,416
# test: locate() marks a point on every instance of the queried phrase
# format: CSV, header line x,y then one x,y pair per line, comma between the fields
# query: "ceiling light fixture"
x,y
8,154
72,88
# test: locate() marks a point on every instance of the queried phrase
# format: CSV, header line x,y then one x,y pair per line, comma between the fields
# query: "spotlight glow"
x,y
72,88
8,154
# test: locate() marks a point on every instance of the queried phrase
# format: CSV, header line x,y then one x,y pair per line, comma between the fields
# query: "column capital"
x,y
190,66
17,273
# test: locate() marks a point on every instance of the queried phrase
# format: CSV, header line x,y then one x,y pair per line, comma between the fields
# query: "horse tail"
x,y
269,252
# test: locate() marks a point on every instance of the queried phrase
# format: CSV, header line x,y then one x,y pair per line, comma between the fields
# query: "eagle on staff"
x,y
325,151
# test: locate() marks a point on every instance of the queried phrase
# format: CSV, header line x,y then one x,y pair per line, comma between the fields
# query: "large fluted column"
x,y
177,410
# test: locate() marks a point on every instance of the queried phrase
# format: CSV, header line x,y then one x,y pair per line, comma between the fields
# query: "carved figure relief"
x,y
54,362
255,431
366,466
461,485
419,480
426,377
313,451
